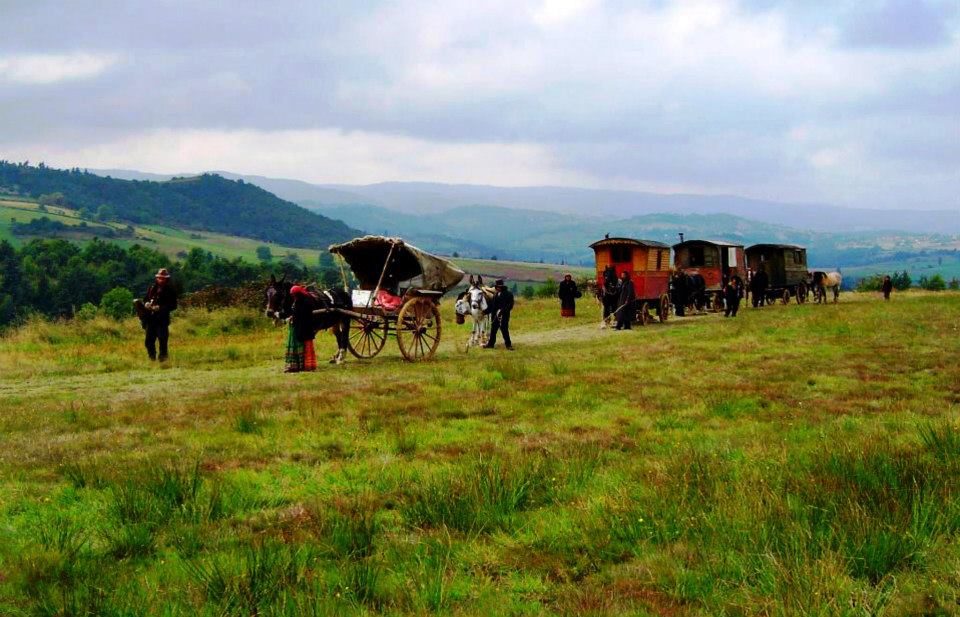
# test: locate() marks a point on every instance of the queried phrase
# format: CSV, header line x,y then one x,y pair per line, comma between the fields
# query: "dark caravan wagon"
x,y
786,268
648,263
711,259
399,293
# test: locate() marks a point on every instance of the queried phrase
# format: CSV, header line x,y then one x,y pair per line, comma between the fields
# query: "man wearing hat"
x,y
500,308
160,301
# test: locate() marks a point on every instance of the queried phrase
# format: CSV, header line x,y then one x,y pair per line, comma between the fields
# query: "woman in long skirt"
x,y
301,355
568,294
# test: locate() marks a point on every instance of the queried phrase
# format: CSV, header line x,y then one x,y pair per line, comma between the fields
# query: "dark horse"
x,y
280,306
687,290
609,293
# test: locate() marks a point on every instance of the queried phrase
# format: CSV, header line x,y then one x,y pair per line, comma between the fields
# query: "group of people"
x,y
618,296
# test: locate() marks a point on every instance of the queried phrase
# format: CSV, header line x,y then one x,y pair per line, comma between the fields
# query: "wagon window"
x,y
661,260
697,256
797,257
621,254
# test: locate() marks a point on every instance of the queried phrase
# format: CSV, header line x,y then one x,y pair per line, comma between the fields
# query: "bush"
x,y
117,303
87,311
954,284
901,280
870,283
933,283
548,289
528,292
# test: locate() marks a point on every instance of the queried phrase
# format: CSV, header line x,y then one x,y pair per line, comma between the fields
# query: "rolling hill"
x,y
204,203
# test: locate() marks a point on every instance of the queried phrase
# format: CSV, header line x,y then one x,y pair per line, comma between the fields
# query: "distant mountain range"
x,y
427,198
207,203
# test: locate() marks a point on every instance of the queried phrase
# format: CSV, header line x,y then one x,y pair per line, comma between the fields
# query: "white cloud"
x,y
321,156
53,68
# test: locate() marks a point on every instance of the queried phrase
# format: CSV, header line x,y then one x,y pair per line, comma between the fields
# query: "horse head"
x,y
278,297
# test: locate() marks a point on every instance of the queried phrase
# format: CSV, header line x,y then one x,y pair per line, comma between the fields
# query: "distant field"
x,y
173,242
795,460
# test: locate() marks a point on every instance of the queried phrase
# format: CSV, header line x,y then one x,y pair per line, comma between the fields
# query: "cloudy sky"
x,y
851,102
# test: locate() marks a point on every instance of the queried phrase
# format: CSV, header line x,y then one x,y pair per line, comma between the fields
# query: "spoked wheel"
x,y
367,336
801,294
663,312
643,315
717,305
418,329
785,298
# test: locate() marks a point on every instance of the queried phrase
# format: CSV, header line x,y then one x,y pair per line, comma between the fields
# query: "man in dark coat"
x,y
499,309
887,287
733,291
625,306
758,287
568,294
679,293
160,301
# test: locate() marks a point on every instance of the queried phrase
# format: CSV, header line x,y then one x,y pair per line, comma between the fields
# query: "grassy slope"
x,y
795,460
172,241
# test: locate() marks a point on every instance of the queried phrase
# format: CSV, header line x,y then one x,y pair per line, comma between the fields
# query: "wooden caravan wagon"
x,y
399,295
786,268
648,263
712,260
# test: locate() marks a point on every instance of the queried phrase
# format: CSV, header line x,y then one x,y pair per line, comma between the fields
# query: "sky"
x,y
852,103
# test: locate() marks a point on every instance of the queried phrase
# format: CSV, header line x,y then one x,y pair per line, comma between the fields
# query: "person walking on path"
x,y
887,287
733,292
301,355
160,301
625,308
568,294
500,307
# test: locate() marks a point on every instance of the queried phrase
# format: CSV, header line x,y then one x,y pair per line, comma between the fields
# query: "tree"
x,y
264,253
528,292
901,280
293,258
117,303
52,199
548,289
954,284
105,212
933,283
325,261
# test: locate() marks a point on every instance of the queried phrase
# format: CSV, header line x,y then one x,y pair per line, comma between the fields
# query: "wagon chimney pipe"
x,y
681,236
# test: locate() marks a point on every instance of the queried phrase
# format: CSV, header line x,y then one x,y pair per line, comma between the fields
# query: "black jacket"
x,y
165,298
502,303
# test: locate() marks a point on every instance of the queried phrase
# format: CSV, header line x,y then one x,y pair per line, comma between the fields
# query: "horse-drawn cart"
x,y
399,293
648,263
785,266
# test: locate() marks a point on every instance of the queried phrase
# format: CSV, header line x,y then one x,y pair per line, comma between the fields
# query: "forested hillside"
x,y
208,202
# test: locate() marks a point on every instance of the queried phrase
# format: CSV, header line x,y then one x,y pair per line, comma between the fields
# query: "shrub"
x,y
954,284
117,303
528,292
933,283
87,311
548,289
870,283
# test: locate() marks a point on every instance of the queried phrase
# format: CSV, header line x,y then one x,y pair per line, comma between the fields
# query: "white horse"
x,y
827,280
474,302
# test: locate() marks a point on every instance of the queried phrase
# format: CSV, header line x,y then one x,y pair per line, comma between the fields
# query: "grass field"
x,y
791,461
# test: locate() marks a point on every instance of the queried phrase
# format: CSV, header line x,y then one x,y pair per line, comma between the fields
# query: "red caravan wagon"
x,y
648,262
711,259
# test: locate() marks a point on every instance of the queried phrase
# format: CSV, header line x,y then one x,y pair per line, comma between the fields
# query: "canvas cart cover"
x,y
367,256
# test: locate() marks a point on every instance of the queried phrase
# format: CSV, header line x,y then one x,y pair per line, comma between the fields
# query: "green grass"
x,y
796,460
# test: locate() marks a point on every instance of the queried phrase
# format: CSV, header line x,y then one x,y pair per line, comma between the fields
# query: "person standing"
x,y
626,301
160,301
887,287
568,294
301,355
500,307
758,287
733,292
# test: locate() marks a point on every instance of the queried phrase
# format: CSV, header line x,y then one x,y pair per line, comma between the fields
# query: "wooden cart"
x,y
713,260
786,268
389,269
648,263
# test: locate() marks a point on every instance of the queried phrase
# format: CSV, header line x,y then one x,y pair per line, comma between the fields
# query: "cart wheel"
x,y
367,336
643,315
664,311
785,299
801,294
717,305
418,329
